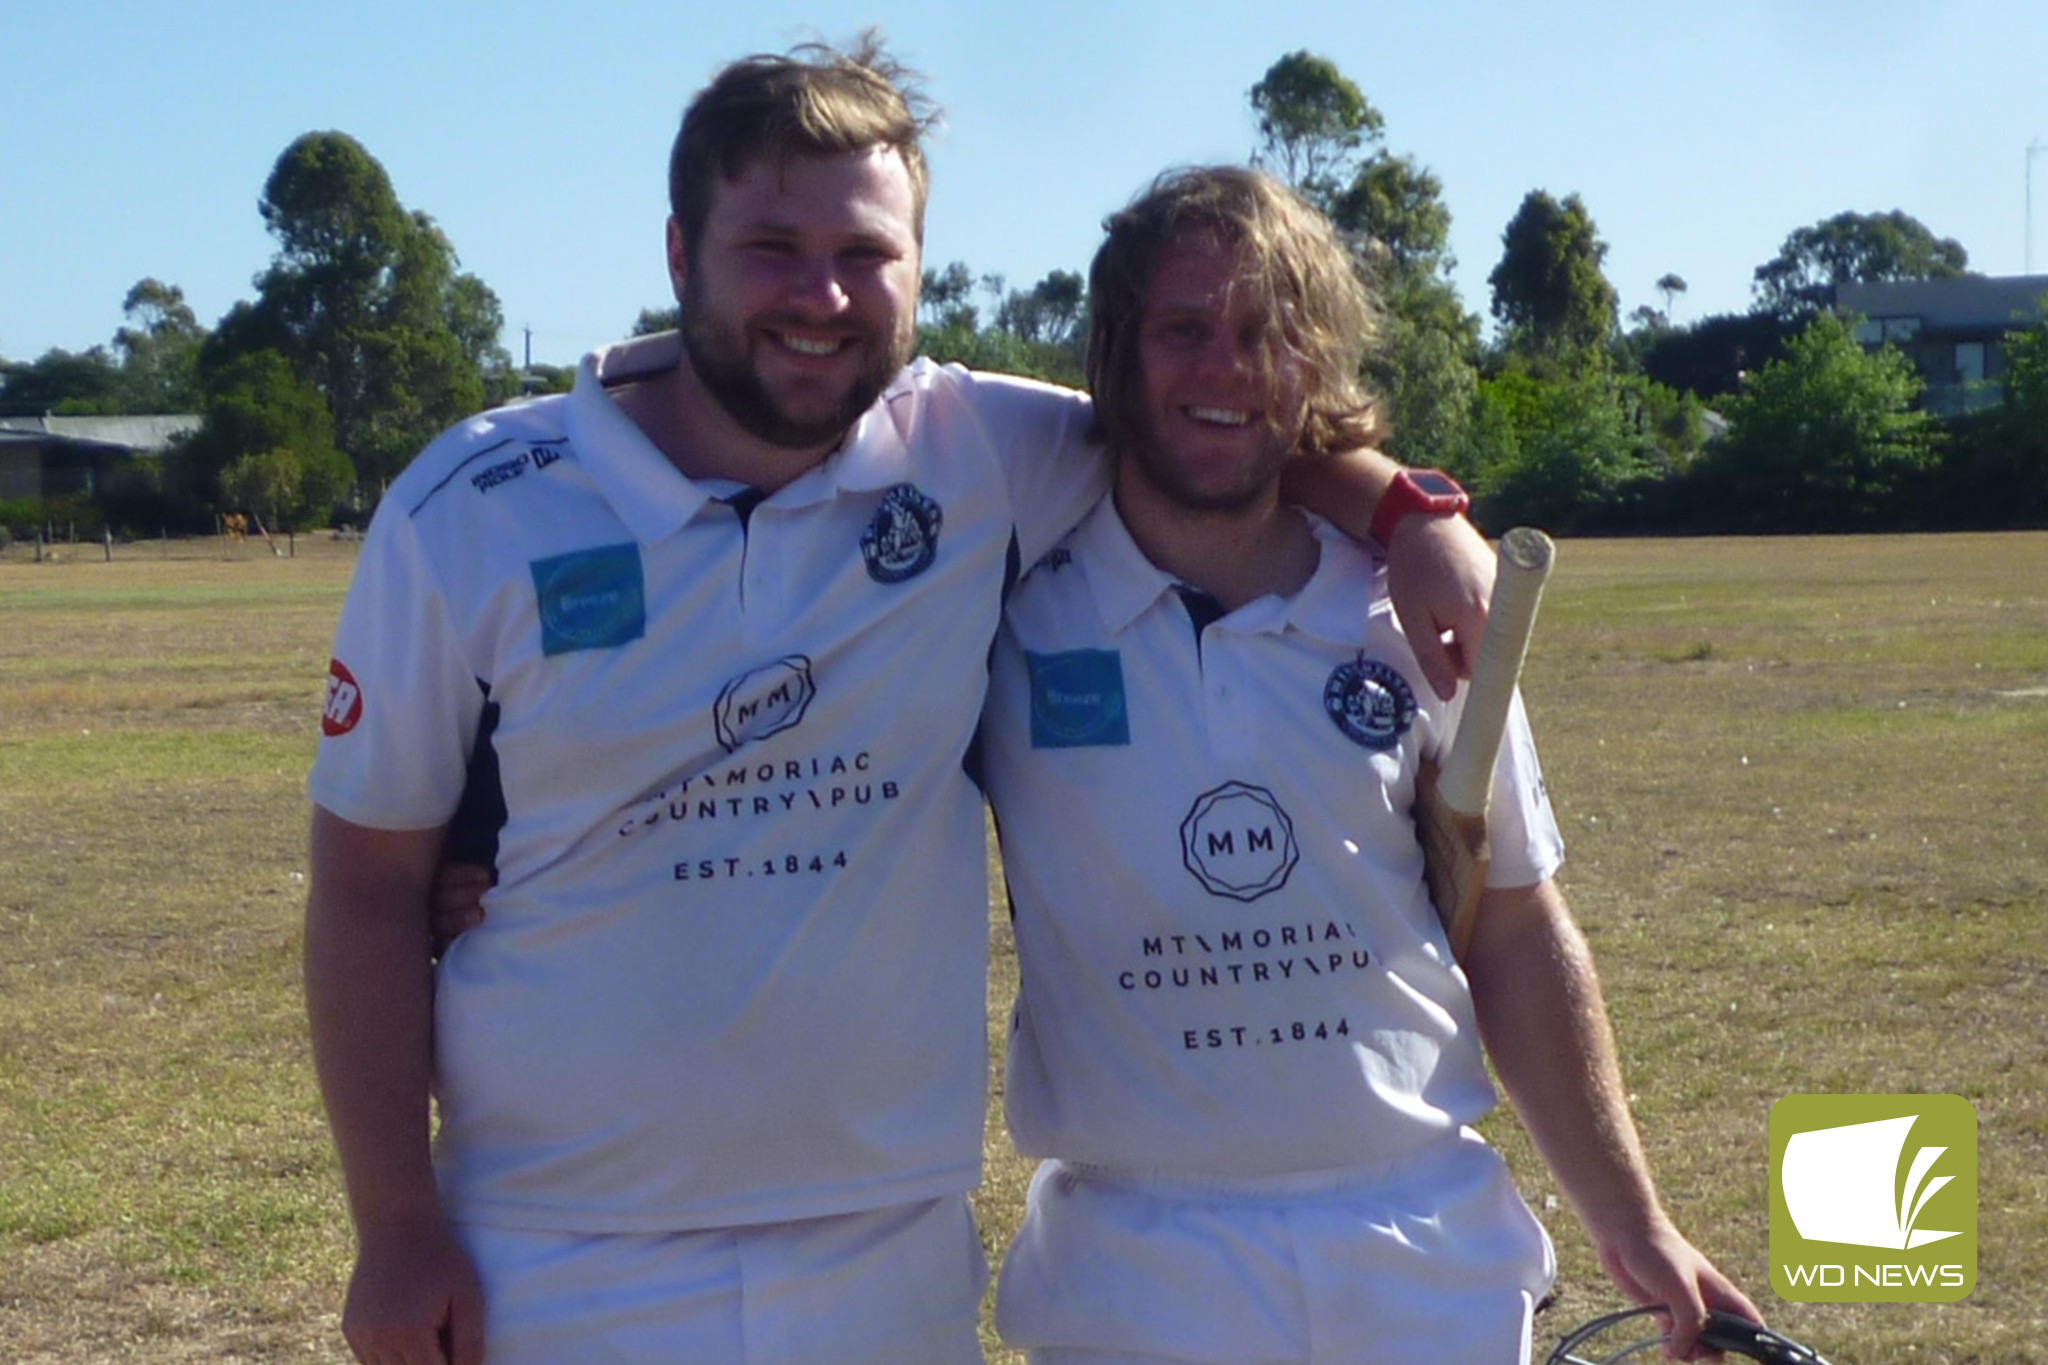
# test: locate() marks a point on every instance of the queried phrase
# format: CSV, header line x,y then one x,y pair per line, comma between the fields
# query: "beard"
x,y
718,352
1170,477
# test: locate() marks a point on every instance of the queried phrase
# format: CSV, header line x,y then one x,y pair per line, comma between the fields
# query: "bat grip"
x,y
1466,781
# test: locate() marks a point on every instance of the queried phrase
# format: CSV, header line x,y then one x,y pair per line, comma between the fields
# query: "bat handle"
x,y
1466,782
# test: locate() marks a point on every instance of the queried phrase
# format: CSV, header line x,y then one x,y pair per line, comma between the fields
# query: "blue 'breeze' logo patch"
x,y
1077,699
590,599
1370,702
903,538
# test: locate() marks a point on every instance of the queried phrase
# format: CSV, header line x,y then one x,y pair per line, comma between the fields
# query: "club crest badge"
x,y
1370,702
903,539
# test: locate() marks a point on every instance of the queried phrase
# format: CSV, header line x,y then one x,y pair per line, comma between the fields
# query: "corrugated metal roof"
x,y
146,435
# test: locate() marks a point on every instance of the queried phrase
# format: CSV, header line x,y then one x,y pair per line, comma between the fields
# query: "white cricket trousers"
x,y
1438,1261
894,1286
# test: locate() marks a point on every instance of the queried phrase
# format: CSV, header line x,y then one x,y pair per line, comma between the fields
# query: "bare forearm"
x,y
1342,489
1544,1023
369,1002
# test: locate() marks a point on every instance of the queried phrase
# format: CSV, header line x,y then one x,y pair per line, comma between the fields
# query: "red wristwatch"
x,y
1429,491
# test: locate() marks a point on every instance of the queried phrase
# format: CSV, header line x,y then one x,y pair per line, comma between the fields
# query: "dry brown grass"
x,y
1801,780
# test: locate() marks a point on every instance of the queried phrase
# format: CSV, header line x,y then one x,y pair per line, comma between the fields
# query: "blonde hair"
x,y
1320,316
814,101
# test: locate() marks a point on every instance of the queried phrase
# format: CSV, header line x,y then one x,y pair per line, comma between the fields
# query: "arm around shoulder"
x,y
1439,568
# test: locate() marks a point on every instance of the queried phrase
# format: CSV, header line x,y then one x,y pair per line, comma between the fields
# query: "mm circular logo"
x,y
1238,842
1370,702
764,701
903,538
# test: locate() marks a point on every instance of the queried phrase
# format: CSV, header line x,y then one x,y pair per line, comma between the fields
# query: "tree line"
x,y
1776,419
365,339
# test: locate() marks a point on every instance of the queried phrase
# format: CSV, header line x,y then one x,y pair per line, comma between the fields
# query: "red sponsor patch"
x,y
344,700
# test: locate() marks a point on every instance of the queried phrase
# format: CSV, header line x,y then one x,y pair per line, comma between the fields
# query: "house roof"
x,y
143,435
1969,301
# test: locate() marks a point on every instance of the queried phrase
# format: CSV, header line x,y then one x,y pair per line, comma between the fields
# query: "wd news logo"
x,y
1873,1198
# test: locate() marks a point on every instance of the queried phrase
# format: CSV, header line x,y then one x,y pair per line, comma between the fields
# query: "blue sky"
x,y
138,137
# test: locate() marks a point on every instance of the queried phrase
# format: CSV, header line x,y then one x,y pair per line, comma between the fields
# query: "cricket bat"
x,y
1451,798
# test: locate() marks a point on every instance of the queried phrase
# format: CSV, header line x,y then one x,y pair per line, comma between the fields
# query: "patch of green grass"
x,y
166,597
97,760
1793,883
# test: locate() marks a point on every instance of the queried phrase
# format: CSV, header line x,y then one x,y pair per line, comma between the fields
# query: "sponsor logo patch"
x,y
344,706
1873,1198
1077,699
533,457
764,701
590,599
1370,703
1238,842
903,538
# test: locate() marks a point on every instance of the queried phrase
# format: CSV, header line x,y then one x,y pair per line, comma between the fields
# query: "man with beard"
x,y
1241,1041
705,640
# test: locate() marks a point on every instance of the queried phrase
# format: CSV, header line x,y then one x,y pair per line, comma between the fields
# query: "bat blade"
x,y
1454,857
1451,799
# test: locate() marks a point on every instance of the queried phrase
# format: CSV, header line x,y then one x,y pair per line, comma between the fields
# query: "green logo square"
x,y
1873,1198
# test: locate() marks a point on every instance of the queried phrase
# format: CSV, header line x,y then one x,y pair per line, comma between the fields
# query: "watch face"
x,y
1435,484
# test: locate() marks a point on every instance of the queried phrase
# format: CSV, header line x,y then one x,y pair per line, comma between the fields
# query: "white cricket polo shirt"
x,y
1230,962
733,970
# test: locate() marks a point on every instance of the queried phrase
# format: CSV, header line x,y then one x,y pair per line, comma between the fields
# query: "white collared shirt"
x,y
733,968
1230,963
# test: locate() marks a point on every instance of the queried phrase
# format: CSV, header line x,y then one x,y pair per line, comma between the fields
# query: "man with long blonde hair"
x,y
1241,1043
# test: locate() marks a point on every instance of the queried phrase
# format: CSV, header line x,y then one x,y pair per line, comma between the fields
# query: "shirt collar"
x,y
1125,584
1122,581
655,499
645,490
1348,584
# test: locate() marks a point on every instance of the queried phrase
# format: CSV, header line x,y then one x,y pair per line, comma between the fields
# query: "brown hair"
x,y
815,101
1320,315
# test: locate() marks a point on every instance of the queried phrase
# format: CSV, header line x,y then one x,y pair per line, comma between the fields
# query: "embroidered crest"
x,y
1370,702
903,539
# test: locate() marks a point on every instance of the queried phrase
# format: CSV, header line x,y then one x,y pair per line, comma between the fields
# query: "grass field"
x,y
1803,784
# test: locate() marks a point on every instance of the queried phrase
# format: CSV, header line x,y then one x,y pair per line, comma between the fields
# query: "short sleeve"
x,y
1054,471
402,703
1523,841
